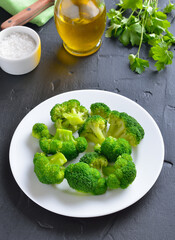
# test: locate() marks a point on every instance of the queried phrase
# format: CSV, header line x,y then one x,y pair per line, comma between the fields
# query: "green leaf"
x,y
157,25
114,14
152,39
132,4
159,65
169,38
169,8
109,31
137,65
162,55
125,37
161,15
113,31
131,35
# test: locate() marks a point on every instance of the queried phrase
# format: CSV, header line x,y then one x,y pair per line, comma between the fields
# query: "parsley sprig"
x,y
145,24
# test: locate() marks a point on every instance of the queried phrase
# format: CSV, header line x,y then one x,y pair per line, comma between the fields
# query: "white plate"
x,y
148,157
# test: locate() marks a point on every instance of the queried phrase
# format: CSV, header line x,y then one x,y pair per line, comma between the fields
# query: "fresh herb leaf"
x,y
169,7
169,38
114,14
113,31
127,4
145,24
137,65
131,34
157,25
162,55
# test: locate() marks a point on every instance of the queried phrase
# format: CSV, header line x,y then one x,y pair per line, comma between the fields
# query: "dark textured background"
x,y
152,217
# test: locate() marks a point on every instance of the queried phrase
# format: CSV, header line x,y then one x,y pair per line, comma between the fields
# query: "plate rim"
x,y
91,90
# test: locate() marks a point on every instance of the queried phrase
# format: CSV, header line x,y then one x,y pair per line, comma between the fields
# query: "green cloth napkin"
x,y
15,6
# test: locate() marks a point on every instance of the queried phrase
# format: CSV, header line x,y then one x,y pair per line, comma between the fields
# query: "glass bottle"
x,y
80,24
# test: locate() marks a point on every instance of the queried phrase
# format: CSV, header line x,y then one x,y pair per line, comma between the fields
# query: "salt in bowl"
x,y
20,50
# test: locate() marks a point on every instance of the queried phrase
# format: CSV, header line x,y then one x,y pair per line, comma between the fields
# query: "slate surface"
x,y
152,217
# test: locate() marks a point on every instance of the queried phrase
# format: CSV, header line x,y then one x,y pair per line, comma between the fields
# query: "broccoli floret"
x,y
124,126
122,173
66,135
100,109
63,141
94,160
40,130
69,150
97,148
50,146
69,115
100,187
83,178
81,144
49,170
113,182
94,129
111,148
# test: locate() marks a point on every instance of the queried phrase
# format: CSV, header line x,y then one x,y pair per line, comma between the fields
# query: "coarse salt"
x,y
17,45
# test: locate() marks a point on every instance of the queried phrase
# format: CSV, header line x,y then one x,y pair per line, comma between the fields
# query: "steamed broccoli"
x,y
64,142
69,150
83,178
100,109
69,115
49,170
97,148
66,135
94,160
50,146
81,144
124,126
122,174
111,148
40,130
94,129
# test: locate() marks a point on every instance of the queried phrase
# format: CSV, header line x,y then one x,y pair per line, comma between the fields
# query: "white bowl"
x,y
25,64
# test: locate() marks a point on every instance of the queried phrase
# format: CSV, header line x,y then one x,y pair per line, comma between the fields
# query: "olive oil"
x,y
80,24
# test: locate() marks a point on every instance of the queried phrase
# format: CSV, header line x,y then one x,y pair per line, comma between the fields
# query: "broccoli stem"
x,y
74,118
116,131
64,135
93,138
57,158
108,170
99,134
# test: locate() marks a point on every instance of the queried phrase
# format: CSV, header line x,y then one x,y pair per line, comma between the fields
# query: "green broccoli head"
x,y
64,142
100,109
81,144
69,150
122,173
40,130
97,148
124,126
66,135
94,129
69,115
94,160
100,187
49,170
111,148
83,178
50,146
113,182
